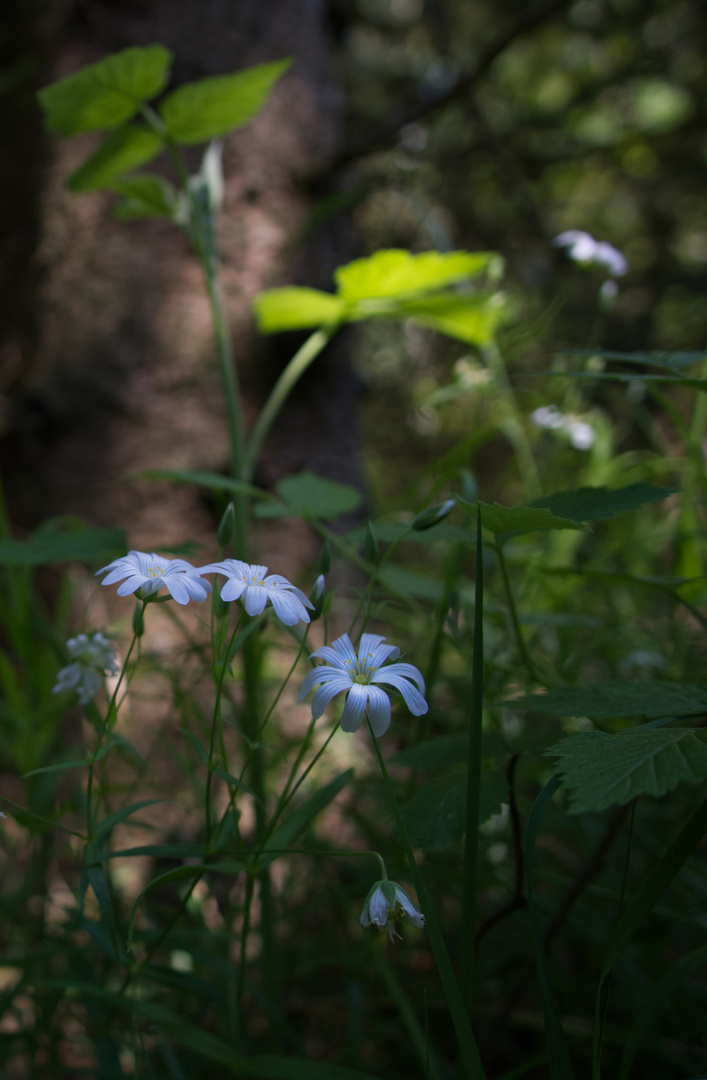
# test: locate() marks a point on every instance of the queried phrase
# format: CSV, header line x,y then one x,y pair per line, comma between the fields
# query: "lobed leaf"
x,y
213,106
310,496
295,308
397,273
598,503
602,770
122,150
473,319
105,94
507,521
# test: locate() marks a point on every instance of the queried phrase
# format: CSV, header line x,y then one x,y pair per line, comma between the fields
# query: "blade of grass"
x,y
560,1068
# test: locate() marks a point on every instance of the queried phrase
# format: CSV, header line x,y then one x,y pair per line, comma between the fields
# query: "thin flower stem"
x,y
281,391
216,724
469,1053
522,647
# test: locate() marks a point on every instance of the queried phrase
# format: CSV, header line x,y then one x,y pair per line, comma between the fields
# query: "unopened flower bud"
x,y
317,597
227,526
430,517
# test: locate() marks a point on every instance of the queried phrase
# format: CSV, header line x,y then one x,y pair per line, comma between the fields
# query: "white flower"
x,y
548,416
581,434
583,248
362,677
93,658
256,589
388,900
147,574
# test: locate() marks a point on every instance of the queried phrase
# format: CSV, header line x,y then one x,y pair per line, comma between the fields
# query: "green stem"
x,y
467,1044
522,647
281,391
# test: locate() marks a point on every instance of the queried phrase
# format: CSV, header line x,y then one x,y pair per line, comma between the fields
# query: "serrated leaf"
x,y
652,698
472,319
398,273
106,94
516,520
214,106
598,503
295,308
310,496
122,150
434,816
146,195
602,770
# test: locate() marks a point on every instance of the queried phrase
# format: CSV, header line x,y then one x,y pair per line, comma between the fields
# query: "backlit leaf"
x,y
295,309
398,273
122,150
105,94
214,106
470,318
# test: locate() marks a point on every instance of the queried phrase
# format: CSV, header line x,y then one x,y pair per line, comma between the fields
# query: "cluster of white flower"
x,y
360,676
583,248
93,658
581,434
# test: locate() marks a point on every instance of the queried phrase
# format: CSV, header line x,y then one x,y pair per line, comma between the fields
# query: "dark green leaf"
x,y
309,496
434,816
516,520
212,481
146,195
105,94
294,826
596,503
620,697
601,770
214,106
72,545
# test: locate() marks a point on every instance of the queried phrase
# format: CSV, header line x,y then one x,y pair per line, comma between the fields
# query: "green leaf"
x,y
121,150
597,503
398,273
147,195
105,94
60,766
295,308
434,816
601,770
507,521
212,481
73,545
108,824
310,496
651,698
211,107
470,318
284,836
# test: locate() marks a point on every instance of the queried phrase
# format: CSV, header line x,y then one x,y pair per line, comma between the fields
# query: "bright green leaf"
x,y
597,503
295,308
601,770
650,698
516,520
214,106
398,273
121,150
310,496
105,94
471,318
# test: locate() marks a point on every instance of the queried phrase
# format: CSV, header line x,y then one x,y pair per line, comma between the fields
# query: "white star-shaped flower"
x,y
146,574
251,583
92,658
385,900
362,676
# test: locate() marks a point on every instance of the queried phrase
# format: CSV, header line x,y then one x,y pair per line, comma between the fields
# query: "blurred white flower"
x,y
92,658
548,416
583,248
581,434
361,676
387,900
251,583
147,574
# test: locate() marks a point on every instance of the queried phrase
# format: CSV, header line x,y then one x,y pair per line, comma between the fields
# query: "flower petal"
x,y
413,698
324,675
256,598
327,693
355,708
378,710
288,607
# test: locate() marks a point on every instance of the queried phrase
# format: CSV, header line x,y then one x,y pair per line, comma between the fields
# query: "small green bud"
x,y
227,526
470,489
317,597
430,517
325,557
371,545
